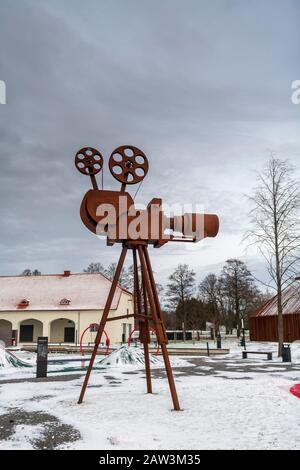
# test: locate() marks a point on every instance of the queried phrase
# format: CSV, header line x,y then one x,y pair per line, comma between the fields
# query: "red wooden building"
x,y
263,322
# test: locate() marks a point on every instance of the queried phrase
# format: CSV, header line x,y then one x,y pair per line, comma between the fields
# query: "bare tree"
x,y
195,314
28,272
229,297
239,289
110,270
275,228
227,314
95,268
209,293
180,288
126,276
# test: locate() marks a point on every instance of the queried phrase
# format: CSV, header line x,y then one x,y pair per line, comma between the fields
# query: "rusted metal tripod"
x,y
141,312
112,214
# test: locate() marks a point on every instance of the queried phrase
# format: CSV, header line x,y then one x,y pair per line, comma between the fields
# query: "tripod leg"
x,y
146,344
103,320
158,319
147,367
143,326
161,323
136,289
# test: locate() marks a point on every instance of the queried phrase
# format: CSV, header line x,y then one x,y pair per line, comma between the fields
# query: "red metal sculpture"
x,y
113,214
107,341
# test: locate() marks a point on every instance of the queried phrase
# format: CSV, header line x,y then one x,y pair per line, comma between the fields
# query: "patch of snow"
x,y
129,356
217,414
8,359
134,356
24,435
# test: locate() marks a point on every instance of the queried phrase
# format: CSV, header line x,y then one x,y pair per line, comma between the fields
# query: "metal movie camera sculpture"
x,y
113,214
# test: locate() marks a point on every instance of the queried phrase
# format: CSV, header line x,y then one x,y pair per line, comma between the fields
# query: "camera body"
x,y
113,214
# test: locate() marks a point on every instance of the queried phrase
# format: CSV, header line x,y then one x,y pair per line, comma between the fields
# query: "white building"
x,y
60,306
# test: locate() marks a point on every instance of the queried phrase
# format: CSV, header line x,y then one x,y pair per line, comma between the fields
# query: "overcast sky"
x,y
202,87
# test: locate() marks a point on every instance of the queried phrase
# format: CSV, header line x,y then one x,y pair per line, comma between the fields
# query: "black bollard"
x,y
42,356
207,347
286,353
219,341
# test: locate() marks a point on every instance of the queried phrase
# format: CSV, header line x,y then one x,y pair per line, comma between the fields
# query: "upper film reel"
x,y
128,164
88,161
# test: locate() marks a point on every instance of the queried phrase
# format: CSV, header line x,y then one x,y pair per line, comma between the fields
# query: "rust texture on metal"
x,y
88,161
129,165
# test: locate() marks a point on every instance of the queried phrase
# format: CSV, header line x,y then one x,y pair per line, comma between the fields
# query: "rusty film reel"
x,y
88,161
128,164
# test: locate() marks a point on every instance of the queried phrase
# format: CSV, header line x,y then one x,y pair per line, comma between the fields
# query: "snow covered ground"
x,y
227,403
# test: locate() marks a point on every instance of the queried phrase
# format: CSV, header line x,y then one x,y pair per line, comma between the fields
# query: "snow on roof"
x,y
85,291
290,301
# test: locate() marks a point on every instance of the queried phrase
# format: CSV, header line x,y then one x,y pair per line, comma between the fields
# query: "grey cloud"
x,y
203,87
